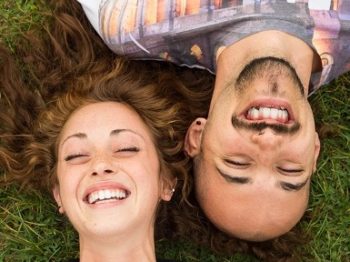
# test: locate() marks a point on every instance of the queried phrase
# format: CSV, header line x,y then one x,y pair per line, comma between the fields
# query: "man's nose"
x,y
102,165
267,139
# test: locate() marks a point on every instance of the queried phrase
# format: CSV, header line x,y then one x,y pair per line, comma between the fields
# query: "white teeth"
x,y
120,194
254,113
268,113
92,197
106,194
101,194
274,113
280,114
113,194
284,115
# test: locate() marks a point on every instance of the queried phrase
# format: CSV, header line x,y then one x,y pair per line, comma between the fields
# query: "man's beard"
x,y
270,68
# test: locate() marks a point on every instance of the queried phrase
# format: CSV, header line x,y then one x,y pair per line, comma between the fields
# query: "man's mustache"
x,y
260,126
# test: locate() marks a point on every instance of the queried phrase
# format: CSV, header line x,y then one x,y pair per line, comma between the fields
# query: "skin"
x,y
106,145
254,184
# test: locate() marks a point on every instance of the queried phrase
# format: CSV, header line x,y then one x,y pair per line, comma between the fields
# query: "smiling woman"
x,y
109,148
110,181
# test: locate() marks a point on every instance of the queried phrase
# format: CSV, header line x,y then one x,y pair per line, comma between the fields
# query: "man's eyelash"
x,y
70,157
291,170
236,163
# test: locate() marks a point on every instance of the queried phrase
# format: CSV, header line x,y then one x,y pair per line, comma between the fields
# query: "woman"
x,y
110,181
109,148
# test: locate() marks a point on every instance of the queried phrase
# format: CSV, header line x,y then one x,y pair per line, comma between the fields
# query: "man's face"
x,y
255,154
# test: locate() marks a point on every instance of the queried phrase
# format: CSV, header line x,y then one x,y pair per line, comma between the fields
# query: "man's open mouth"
x,y
268,113
271,112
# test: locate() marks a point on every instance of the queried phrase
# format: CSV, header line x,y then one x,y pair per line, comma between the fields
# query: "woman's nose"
x,y
102,166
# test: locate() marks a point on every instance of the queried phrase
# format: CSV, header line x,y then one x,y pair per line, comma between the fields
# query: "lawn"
x,y
31,229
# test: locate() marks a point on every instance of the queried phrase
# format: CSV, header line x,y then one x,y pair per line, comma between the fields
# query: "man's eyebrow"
x,y
234,179
293,187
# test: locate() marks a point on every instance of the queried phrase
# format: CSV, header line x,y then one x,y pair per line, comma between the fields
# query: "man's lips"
x,y
106,192
269,110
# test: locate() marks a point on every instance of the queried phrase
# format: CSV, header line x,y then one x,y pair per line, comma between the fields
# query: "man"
x,y
255,153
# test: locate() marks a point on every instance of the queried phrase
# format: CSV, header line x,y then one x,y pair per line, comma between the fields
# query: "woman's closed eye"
x,y
74,156
128,149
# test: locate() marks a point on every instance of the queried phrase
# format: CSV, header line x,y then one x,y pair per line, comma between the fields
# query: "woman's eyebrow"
x,y
112,133
116,132
77,135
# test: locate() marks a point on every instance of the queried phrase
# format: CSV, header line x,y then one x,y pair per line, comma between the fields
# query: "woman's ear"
x,y
168,188
193,137
57,196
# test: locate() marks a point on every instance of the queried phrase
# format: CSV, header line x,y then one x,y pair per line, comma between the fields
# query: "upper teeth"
x,y
106,194
259,113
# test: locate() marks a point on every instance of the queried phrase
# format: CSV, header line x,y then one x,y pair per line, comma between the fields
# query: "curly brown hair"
x,y
31,124
69,55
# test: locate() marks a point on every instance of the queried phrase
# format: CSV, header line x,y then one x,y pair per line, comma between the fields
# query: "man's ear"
x,y
57,196
317,151
194,136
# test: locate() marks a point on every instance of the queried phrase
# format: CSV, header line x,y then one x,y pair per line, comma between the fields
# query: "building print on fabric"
x,y
189,31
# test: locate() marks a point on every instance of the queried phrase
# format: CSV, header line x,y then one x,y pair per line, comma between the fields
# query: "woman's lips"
x,y
106,192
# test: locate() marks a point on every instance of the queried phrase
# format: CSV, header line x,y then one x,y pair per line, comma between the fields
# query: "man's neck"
x,y
232,59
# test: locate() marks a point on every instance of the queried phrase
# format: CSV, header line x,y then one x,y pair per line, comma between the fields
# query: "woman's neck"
x,y
124,248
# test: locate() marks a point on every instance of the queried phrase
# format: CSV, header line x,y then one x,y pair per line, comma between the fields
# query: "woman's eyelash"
x,y
126,149
129,149
70,157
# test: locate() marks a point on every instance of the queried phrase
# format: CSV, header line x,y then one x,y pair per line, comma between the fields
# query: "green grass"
x,y
17,17
31,229
330,196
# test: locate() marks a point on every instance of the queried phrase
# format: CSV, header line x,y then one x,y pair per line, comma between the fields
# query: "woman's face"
x,y
108,171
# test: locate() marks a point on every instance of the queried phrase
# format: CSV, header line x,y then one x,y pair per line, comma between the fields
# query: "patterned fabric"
x,y
188,32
